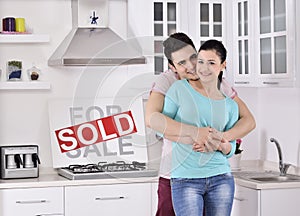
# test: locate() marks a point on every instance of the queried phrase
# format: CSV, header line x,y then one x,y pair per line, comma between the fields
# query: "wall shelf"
x,y
20,85
24,38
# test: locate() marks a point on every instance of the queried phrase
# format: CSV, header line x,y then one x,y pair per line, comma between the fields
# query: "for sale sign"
x,y
93,132
89,130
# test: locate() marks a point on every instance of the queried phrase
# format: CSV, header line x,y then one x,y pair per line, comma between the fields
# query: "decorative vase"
x,y
235,162
33,73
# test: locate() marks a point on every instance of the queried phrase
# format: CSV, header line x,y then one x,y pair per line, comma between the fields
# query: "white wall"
x,y
24,114
277,115
250,142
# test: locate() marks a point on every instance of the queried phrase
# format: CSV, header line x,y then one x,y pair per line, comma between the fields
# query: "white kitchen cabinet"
x,y
278,202
264,42
132,199
165,22
151,25
258,34
154,198
266,202
32,201
246,202
206,20
200,19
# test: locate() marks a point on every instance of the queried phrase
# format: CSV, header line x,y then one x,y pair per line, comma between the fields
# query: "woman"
x,y
203,177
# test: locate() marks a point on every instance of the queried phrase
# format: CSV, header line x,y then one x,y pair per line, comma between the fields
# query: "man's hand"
x,y
207,139
201,135
213,142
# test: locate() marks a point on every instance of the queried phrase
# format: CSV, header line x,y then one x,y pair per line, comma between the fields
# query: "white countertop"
x,y
54,180
259,166
265,186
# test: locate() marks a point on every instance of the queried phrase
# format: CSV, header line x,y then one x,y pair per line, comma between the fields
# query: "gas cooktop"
x,y
104,170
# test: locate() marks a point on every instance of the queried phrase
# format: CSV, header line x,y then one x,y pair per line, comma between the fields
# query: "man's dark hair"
x,y
175,42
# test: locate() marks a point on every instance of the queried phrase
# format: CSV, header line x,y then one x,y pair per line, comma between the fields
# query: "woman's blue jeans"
x,y
215,194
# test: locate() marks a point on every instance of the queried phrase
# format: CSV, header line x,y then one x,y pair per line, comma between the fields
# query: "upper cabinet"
x,y
165,22
200,19
206,20
152,25
258,34
264,42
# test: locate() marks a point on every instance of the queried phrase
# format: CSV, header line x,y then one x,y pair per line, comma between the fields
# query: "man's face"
x,y
185,61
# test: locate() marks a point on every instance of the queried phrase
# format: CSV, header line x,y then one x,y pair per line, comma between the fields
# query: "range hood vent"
x,y
95,46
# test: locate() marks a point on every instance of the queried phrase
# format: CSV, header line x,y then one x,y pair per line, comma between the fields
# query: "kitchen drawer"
x,y
113,200
32,202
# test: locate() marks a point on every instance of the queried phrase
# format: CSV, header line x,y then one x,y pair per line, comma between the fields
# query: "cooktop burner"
x,y
119,169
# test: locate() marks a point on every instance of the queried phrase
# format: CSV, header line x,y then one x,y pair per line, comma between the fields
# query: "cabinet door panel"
x,y
246,202
31,201
279,202
266,51
113,200
154,197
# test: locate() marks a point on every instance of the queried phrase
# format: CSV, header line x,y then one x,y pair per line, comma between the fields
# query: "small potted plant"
x,y
235,160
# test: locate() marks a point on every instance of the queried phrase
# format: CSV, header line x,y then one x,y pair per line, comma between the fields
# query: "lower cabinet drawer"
x,y
32,202
132,199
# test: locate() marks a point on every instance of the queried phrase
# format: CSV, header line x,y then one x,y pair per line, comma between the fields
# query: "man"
x,y
182,57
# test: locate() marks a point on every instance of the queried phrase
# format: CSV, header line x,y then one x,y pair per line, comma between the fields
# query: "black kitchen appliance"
x,y
104,170
19,161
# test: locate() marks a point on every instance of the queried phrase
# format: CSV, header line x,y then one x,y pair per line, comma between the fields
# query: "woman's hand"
x,y
214,142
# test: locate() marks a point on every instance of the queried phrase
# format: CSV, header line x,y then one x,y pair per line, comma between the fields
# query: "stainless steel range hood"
x,y
92,45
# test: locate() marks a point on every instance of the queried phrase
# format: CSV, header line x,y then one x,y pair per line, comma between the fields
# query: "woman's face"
x,y
209,65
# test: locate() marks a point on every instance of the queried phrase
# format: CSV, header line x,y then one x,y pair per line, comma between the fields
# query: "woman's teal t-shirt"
x,y
184,104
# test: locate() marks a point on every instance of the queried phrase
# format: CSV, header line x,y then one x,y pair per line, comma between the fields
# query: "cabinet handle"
x,y
31,201
271,83
110,198
242,82
50,214
239,199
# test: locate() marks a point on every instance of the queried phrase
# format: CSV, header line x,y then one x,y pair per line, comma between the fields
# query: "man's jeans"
x,y
214,193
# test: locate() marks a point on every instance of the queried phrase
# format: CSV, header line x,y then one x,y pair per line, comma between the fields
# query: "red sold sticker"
x,y
96,131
